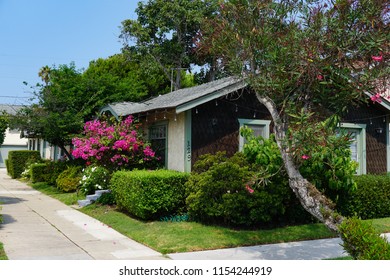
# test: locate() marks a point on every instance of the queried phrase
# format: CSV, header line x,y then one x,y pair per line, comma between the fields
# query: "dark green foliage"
x,y
106,199
3,126
362,242
17,161
226,191
7,165
370,200
39,172
54,169
69,180
149,195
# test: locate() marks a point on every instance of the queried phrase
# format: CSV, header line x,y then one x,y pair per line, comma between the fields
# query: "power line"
x,y
8,96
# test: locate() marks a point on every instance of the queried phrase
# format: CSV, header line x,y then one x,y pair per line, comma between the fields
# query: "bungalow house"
x,y
187,123
12,140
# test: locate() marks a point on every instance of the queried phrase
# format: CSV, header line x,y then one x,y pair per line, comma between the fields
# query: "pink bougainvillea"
x,y
113,145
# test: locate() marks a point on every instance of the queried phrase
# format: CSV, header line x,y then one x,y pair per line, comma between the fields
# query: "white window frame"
x,y
244,122
164,124
361,144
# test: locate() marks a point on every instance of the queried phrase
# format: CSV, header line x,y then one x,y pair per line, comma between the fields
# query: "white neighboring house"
x,y
12,140
47,150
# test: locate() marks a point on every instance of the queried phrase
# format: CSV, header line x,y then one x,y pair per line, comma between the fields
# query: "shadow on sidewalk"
x,y
10,200
7,219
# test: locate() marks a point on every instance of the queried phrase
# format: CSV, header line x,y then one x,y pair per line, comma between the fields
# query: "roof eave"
x,y
209,97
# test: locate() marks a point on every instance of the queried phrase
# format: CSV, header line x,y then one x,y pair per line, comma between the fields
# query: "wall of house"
x,y
12,141
374,117
12,137
175,135
215,125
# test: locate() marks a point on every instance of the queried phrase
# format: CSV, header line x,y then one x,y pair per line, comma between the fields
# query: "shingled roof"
x,y
181,100
10,109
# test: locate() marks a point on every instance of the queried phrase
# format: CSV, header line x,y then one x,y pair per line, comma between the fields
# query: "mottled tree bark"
x,y
311,199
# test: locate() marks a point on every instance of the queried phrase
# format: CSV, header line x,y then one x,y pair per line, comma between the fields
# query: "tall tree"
x,y
114,79
3,126
304,57
165,31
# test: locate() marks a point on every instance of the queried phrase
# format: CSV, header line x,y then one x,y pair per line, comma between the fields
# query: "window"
x,y
259,127
357,133
158,141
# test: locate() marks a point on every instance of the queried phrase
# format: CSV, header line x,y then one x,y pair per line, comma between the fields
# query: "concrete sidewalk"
x,y
36,226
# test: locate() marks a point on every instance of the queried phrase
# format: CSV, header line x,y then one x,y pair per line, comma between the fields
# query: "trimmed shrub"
x,y
370,200
94,178
39,172
69,180
149,195
361,241
7,165
17,161
54,169
221,190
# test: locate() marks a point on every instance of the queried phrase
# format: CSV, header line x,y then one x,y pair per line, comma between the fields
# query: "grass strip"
x,y
3,255
174,237
66,198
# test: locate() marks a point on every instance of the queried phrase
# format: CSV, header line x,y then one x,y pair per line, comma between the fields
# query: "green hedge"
x,y
361,241
149,195
370,200
17,161
54,169
7,165
39,172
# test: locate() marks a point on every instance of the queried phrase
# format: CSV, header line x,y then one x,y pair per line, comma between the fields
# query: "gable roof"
x,y
181,100
10,109
184,99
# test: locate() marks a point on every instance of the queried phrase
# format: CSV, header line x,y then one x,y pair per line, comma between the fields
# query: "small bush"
x,y
220,190
39,172
149,195
94,178
54,169
17,161
370,200
69,180
361,241
106,199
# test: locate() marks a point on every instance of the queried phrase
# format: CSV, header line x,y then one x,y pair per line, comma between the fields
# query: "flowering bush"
x,y
94,178
114,146
220,190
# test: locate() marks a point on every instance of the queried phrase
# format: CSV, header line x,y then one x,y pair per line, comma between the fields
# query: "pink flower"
x,y
376,98
249,189
305,157
377,58
320,77
148,152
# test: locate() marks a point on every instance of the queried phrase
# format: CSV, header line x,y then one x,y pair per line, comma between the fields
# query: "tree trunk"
x,y
311,199
68,155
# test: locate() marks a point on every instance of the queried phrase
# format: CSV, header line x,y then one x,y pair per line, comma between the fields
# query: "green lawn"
x,y
66,198
3,256
171,237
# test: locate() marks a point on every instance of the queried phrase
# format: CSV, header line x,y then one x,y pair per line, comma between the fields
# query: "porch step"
x,y
84,202
91,198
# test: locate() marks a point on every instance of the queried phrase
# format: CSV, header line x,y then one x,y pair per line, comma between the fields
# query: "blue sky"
x,y
35,33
